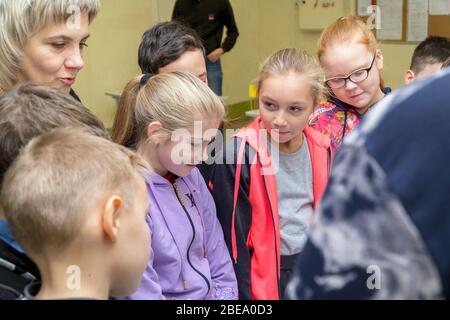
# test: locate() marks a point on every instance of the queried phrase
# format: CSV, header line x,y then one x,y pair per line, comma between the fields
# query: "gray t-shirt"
x,y
295,199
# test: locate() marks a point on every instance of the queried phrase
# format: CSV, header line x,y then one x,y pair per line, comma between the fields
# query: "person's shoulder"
x,y
195,178
324,109
151,178
329,111
224,4
424,99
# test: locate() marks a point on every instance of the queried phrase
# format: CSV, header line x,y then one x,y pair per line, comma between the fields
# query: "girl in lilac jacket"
x,y
169,119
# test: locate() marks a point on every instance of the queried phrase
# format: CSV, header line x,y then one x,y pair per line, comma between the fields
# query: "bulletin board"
x,y
438,25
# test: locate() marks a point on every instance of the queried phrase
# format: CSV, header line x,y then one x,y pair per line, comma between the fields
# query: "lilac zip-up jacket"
x,y
189,259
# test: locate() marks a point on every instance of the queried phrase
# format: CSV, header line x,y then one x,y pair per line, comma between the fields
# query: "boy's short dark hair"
x,y
28,110
432,50
164,43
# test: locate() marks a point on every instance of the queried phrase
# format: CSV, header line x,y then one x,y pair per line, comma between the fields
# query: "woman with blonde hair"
x,y
43,41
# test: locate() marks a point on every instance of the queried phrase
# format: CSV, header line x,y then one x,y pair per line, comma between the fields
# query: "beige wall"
x,y
268,25
111,58
264,25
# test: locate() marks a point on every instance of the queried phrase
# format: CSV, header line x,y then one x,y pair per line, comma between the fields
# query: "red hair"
x,y
344,30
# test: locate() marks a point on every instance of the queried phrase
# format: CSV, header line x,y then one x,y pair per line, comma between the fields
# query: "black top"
x,y
222,178
16,272
74,95
208,17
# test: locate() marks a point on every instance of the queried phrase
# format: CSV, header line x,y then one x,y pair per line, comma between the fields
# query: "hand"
x,y
215,55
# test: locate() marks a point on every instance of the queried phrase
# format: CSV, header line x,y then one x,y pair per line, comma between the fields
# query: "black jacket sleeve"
x,y
232,30
176,14
222,179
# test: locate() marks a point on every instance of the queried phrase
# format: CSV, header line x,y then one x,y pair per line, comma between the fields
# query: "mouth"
x,y
283,133
67,81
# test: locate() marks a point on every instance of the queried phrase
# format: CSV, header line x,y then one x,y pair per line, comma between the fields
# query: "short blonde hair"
x,y
60,176
20,19
174,99
297,61
29,110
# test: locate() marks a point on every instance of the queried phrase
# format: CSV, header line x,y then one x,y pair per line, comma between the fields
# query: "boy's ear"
x,y
111,213
153,128
409,76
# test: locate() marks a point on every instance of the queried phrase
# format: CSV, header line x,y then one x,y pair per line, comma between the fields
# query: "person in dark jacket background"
x,y
208,18
383,231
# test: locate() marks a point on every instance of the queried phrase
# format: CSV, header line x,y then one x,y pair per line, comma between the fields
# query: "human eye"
x,y
336,82
269,105
295,109
359,75
83,45
58,45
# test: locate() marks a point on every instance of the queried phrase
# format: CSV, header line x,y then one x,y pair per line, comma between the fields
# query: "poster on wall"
x,y
439,7
363,6
391,13
417,20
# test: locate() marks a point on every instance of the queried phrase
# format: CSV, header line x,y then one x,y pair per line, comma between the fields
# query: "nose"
x,y
279,120
75,59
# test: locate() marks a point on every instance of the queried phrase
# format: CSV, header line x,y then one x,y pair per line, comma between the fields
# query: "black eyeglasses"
x,y
356,77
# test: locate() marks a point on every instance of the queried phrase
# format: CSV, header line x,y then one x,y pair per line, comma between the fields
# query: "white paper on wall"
x,y
417,20
391,13
362,7
439,7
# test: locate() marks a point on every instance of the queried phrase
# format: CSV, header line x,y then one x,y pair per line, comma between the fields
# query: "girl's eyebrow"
x,y
297,102
267,98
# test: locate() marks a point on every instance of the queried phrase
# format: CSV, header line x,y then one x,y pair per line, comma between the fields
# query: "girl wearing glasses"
x,y
349,54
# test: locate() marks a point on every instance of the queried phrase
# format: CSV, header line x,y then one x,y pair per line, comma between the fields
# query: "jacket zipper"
x,y
192,241
274,232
